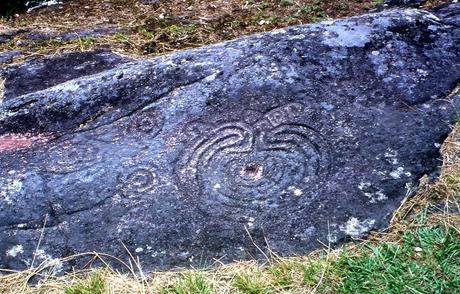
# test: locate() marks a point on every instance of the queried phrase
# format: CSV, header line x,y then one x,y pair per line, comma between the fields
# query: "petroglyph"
x,y
252,167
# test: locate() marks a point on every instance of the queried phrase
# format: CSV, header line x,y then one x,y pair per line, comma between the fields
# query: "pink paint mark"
x,y
10,142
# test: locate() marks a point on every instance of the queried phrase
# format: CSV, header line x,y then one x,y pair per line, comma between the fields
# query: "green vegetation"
x,y
93,285
190,283
420,253
150,30
251,283
426,261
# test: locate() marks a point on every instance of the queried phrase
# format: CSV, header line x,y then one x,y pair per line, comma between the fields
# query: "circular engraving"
x,y
252,167
147,123
71,156
138,180
194,129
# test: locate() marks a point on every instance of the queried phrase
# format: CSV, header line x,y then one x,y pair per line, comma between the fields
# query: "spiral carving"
x,y
255,166
138,181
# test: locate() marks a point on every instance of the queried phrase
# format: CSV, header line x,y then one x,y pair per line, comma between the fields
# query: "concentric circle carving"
x,y
138,180
255,166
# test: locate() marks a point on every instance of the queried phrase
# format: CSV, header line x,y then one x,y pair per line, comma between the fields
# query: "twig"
x,y
39,241
253,242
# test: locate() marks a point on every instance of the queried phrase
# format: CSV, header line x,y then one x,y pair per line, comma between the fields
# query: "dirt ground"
x,y
144,30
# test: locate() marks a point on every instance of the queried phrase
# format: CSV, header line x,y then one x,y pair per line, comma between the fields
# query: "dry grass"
x,y
2,88
150,30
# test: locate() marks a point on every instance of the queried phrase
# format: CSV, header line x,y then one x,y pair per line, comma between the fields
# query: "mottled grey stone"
x,y
307,134
41,73
9,56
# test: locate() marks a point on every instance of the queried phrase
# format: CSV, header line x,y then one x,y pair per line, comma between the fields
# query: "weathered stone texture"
x,y
42,73
298,135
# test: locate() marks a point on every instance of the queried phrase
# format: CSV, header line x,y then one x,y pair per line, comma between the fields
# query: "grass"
x,y
2,88
189,283
155,29
426,258
92,285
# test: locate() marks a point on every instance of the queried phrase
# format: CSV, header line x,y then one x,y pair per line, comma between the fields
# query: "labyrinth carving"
x,y
249,165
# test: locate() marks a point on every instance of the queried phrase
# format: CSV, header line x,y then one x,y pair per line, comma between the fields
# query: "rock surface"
x,y
289,137
41,73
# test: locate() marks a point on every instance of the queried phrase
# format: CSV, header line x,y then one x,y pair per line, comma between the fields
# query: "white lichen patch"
x,y
15,250
170,62
399,172
343,36
295,191
251,221
212,77
391,156
6,114
2,88
69,86
8,188
376,196
422,72
47,260
327,106
332,235
298,37
356,228
364,185
279,31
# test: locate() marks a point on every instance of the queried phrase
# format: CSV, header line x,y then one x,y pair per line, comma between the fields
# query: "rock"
x,y
42,73
8,34
149,1
289,137
392,4
449,12
9,56
9,6
95,32
33,5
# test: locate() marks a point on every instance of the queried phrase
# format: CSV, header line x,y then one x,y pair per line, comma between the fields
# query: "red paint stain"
x,y
10,142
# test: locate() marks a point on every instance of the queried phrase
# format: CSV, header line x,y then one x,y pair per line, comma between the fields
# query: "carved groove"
x,y
254,166
138,181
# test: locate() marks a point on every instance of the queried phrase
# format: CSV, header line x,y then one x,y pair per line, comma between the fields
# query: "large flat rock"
x,y
312,133
41,73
